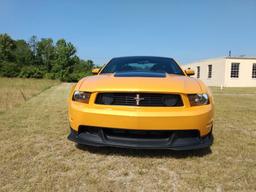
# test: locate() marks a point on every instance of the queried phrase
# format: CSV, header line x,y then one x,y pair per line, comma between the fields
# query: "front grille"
x,y
139,99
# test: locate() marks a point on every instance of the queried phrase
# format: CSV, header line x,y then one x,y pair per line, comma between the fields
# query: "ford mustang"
x,y
141,102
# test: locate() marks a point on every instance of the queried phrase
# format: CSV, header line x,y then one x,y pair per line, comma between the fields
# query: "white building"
x,y
226,71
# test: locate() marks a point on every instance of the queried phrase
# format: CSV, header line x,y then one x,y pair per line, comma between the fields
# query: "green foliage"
x,y
9,69
46,53
41,59
31,72
23,55
7,46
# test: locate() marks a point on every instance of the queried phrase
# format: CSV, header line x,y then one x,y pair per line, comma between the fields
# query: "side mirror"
x,y
189,72
95,71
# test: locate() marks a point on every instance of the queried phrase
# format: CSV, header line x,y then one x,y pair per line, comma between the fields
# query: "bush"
x,y
76,76
9,69
31,72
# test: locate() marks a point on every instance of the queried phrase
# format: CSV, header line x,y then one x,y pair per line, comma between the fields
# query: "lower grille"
x,y
150,134
139,99
139,134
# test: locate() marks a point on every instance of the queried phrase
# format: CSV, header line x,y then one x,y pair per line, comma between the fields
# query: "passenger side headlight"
x,y
198,99
81,96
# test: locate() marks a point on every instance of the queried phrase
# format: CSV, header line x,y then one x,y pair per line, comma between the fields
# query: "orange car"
x,y
141,102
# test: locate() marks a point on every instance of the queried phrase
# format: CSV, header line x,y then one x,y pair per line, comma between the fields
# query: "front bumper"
x,y
141,118
137,139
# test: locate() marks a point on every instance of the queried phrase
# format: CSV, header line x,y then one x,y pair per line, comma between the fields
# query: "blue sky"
x,y
102,29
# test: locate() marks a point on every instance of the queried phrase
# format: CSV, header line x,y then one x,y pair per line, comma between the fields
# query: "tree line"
x,y
41,59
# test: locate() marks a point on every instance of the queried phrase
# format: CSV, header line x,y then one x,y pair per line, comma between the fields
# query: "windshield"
x,y
143,64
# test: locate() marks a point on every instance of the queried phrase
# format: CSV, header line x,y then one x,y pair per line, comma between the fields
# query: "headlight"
x,y
80,96
198,99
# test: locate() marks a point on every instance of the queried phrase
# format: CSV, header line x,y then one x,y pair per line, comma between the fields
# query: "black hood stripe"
x,y
139,74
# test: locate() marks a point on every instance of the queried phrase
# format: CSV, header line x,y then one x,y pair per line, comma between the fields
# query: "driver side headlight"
x,y
198,99
81,96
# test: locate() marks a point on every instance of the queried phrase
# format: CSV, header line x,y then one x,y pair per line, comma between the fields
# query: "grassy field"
x,y
16,91
234,90
36,156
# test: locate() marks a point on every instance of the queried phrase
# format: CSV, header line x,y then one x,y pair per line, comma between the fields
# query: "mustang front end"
x,y
134,109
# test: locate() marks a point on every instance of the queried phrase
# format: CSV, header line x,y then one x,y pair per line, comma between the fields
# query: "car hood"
x,y
122,83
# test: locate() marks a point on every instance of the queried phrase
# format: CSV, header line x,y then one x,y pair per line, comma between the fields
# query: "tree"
x,y
41,59
33,44
65,59
81,69
7,45
83,66
45,53
8,67
23,54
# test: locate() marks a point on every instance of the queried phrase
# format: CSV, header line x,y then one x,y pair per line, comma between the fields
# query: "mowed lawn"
x,y
35,154
14,92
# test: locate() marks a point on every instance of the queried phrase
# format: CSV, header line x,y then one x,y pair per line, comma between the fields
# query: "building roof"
x,y
241,57
202,60
226,57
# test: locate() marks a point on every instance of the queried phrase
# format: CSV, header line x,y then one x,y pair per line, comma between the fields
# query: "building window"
x,y
234,70
254,70
209,71
198,72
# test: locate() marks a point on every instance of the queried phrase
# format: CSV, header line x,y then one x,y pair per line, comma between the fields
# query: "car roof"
x,y
142,57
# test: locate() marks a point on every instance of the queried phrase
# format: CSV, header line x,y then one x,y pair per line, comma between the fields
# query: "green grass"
x,y
36,156
16,91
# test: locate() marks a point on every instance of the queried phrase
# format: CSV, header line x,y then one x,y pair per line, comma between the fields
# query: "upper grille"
x,y
139,99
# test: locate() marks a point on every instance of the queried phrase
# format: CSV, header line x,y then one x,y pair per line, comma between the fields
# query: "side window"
x,y
254,70
234,70
198,72
209,71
